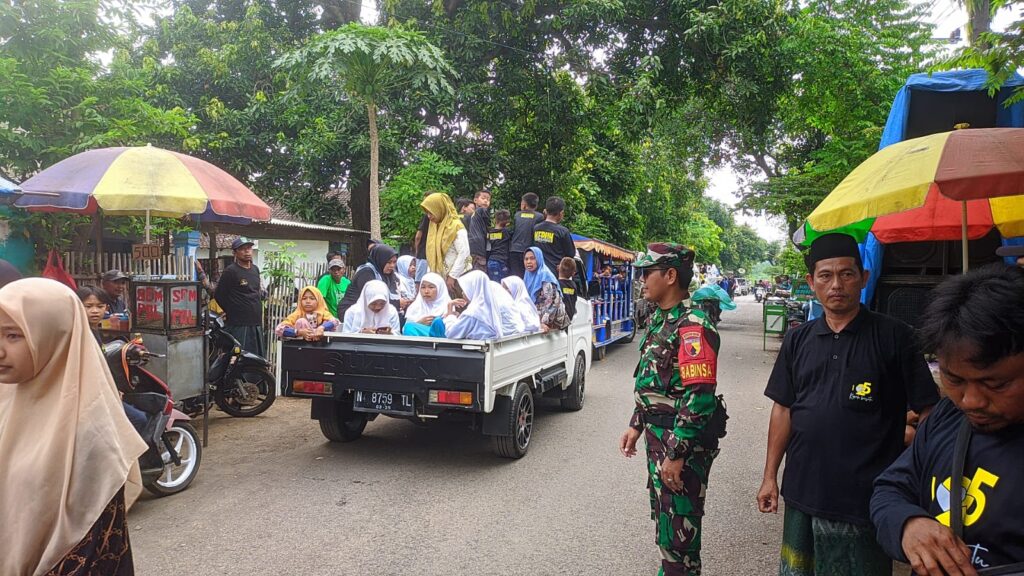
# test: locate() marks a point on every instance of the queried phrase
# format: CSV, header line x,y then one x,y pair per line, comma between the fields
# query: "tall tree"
x,y
371,64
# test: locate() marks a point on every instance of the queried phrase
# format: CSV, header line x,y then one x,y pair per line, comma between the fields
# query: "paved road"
x,y
274,497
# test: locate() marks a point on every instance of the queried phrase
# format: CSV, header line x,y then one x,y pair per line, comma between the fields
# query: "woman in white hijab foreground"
x,y
524,304
372,313
427,314
68,455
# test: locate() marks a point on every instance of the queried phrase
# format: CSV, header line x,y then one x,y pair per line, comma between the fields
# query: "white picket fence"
x,y
88,266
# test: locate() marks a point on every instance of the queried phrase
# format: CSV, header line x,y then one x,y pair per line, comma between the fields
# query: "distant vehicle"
x,y
742,286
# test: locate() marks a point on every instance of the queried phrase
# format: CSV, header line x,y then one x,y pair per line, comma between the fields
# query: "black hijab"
x,y
378,258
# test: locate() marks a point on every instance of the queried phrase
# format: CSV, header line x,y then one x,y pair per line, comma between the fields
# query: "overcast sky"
x,y
946,15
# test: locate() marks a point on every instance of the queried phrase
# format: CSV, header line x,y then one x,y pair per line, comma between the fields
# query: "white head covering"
x,y
483,306
438,307
406,283
66,446
359,315
523,303
511,320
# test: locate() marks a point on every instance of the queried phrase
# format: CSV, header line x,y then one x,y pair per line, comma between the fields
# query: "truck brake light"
x,y
451,397
312,387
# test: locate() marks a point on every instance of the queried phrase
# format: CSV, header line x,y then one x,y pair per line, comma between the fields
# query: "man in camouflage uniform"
x,y
676,407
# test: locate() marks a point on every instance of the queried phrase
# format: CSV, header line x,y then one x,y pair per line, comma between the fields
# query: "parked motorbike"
x,y
712,309
795,313
172,460
241,383
759,293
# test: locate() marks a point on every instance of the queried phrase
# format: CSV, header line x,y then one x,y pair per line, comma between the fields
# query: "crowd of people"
x,y
467,277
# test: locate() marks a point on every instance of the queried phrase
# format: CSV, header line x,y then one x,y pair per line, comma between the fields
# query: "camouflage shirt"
x,y
677,374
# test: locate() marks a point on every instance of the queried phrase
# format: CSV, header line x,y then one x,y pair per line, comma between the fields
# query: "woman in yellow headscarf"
x,y
447,241
310,319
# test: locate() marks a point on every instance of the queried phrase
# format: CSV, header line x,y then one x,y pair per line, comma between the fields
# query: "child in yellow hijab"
x,y
310,319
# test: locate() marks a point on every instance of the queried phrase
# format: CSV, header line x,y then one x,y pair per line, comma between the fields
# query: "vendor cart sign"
x,y
146,251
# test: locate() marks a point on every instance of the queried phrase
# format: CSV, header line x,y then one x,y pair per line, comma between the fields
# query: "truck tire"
x,y
343,425
520,416
576,393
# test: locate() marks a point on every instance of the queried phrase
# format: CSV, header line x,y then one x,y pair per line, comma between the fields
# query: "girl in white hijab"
x,y
426,315
405,268
511,320
481,320
68,455
372,313
524,304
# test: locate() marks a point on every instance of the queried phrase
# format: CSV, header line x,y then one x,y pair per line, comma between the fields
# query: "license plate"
x,y
384,402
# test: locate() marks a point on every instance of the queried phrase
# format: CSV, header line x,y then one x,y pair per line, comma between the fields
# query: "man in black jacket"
x,y
975,325
239,293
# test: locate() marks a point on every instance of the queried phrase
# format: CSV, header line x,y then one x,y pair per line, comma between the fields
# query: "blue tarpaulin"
x,y
896,128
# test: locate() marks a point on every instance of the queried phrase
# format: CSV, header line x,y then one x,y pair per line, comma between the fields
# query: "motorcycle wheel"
x,y
175,478
260,387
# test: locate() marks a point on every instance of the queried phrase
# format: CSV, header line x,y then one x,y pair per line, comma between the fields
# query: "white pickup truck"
x,y
353,378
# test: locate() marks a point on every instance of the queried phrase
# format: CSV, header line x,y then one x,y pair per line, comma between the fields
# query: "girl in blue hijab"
x,y
543,288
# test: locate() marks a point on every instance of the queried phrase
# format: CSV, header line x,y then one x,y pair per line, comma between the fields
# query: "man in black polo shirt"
x,y
240,295
553,239
975,325
841,386
522,232
479,227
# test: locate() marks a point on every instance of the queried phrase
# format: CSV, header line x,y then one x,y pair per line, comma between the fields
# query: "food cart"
x,y
613,299
166,313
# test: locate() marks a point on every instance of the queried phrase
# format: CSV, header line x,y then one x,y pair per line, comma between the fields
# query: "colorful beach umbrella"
x,y
947,186
143,180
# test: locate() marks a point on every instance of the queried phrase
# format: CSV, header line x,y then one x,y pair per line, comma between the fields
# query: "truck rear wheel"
x,y
343,425
576,393
520,416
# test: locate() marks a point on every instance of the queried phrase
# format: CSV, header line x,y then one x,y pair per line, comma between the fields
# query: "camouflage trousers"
x,y
678,515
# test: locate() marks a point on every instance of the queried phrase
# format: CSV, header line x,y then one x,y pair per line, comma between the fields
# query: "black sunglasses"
x,y
646,271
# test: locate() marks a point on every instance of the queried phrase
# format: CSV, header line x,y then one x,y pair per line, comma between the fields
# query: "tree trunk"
x,y
979,21
371,109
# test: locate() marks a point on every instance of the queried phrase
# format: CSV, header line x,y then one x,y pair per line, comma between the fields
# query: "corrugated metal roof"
x,y
307,226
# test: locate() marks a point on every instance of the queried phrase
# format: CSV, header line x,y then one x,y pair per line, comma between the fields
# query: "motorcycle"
x,y
172,460
795,313
241,383
759,293
712,309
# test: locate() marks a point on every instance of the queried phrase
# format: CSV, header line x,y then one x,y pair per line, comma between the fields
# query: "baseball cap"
x,y
666,254
1011,251
336,263
114,275
241,241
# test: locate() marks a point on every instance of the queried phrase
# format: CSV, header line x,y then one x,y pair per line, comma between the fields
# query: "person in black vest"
x,y
841,386
239,292
975,325
553,239
478,229
522,232
500,238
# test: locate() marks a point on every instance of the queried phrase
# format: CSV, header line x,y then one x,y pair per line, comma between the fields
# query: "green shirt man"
x,y
334,285
676,408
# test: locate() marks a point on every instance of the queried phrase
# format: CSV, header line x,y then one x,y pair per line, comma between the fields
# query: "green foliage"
x,y
279,263
400,199
1001,54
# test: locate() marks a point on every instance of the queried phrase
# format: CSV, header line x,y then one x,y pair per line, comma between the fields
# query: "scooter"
x,y
172,460
759,293
241,383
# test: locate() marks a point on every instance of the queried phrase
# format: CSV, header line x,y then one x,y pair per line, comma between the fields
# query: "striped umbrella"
x,y
947,186
143,180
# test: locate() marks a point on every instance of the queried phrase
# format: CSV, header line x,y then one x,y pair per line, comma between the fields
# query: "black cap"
x,y
373,242
241,241
114,275
834,245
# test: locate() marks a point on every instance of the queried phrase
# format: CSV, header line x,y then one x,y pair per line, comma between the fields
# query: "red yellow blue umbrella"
x,y
947,186
143,180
